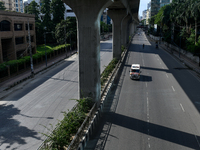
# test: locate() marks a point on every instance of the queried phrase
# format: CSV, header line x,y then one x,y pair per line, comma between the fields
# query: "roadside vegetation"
x,y
61,137
178,24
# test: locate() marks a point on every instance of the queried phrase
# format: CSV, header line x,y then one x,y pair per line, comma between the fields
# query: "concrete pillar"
x,y
88,13
124,27
117,17
131,27
1,52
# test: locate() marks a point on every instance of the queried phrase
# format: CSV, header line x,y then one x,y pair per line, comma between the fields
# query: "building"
x,y
68,12
14,5
148,16
164,2
144,14
155,6
14,35
149,5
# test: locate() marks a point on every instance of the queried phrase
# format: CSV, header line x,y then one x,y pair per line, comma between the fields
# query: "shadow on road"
x,y
16,96
11,131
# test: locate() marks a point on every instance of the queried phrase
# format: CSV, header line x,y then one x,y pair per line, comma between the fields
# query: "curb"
x,y
185,62
93,124
30,76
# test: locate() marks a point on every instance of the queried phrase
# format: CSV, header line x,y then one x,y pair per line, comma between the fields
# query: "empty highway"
x,y
159,112
40,102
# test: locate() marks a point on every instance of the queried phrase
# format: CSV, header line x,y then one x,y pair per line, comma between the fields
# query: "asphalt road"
x,y
158,112
39,102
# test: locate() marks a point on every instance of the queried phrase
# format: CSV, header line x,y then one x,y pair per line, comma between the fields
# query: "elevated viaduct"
x,y
124,14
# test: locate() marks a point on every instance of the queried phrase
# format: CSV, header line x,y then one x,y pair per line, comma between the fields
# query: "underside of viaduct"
x,y
124,14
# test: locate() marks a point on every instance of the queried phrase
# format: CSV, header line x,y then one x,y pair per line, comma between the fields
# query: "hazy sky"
x,y
143,6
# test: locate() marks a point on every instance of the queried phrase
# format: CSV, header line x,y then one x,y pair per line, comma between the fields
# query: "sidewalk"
x,y
13,81
185,60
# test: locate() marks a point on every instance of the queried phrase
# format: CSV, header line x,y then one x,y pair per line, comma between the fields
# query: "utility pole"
x,y
30,50
45,47
65,41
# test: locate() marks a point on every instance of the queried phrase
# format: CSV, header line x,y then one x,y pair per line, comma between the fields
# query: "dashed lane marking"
x,y
182,107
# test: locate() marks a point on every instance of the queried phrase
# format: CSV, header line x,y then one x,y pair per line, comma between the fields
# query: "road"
x,y
158,112
39,102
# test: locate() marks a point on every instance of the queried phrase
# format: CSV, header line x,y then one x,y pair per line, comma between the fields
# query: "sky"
x,y
143,6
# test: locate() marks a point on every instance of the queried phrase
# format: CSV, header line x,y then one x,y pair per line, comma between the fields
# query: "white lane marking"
x,y
173,89
167,76
197,140
181,64
160,62
146,84
149,142
182,107
147,107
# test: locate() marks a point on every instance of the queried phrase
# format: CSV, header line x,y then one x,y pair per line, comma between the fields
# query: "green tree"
x,y
33,8
46,11
57,10
2,6
70,28
195,11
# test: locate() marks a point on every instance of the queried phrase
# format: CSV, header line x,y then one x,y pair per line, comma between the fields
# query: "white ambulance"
x,y
135,71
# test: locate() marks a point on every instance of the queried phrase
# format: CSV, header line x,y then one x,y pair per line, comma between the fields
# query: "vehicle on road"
x,y
135,71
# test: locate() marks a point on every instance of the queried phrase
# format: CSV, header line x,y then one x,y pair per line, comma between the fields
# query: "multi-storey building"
x,y
155,6
14,5
164,2
144,14
148,16
14,35
149,5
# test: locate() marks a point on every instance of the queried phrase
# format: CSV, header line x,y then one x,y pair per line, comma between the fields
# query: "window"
x,y
18,27
22,10
17,9
4,25
27,39
16,5
30,26
19,40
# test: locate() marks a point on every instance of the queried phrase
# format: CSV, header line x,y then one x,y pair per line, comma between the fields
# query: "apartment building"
x,y
14,35
14,5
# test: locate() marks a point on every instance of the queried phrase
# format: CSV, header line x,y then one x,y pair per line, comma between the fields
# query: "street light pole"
x,y
30,50
45,45
65,42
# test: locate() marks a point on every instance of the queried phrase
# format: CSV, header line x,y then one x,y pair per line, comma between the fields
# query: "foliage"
x,y
104,27
16,63
68,127
46,11
2,6
33,8
57,10
70,28
143,21
108,70
122,48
